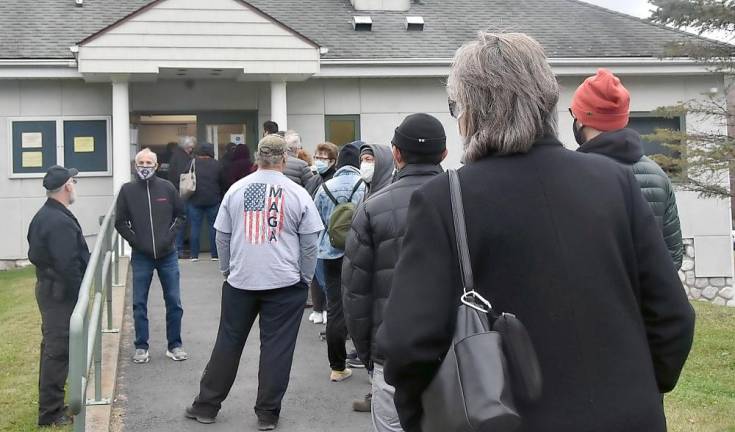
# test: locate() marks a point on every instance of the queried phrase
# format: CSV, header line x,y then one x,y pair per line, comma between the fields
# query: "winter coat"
x,y
177,165
297,170
149,214
240,166
590,278
371,253
57,248
625,146
209,182
383,175
318,179
341,187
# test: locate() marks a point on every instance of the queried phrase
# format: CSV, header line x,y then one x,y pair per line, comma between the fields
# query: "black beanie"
x,y
349,155
420,133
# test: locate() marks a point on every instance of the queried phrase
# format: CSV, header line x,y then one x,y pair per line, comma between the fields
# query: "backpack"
x,y
341,218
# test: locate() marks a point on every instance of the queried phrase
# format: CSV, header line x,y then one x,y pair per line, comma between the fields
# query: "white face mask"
x,y
367,169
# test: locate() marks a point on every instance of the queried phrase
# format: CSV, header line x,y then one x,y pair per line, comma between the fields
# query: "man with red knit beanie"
x,y
600,108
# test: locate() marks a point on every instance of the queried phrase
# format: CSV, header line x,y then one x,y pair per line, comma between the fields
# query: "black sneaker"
x,y
192,413
267,422
353,361
62,420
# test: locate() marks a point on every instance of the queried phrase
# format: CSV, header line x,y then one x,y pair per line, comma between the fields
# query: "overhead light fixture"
x,y
362,23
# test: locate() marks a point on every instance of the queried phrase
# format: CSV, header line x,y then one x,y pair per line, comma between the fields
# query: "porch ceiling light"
x,y
362,23
414,23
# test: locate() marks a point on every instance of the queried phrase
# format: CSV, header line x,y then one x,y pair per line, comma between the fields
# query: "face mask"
x,y
578,135
367,169
321,166
145,173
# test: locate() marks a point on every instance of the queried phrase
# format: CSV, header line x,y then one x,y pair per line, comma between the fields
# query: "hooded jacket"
x,y
149,214
383,175
625,147
371,253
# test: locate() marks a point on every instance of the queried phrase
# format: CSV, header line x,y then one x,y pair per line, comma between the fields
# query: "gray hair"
x,y
146,151
293,141
504,85
52,193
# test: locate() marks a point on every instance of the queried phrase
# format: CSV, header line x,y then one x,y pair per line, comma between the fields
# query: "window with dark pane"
x,y
342,129
647,125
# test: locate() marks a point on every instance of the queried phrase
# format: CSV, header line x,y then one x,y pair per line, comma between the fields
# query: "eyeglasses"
x,y
453,108
322,158
74,181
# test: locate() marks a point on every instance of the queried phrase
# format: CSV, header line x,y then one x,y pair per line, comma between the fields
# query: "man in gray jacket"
x,y
296,169
601,108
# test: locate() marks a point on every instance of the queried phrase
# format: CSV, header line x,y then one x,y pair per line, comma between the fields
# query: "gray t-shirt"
x,y
265,212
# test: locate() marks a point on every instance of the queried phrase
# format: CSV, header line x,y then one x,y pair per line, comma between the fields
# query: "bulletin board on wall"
x,y
33,145
85,145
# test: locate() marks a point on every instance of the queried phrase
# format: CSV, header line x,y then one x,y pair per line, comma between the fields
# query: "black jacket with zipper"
x,y
149,214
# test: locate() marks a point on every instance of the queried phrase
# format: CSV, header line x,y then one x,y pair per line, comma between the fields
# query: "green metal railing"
x,y
85,326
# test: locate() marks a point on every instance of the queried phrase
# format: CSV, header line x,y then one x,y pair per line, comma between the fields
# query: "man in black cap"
x,y
58,250
419,146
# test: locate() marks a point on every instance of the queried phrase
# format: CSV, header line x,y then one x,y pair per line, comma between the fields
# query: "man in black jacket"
x,y
149,216
58,250
373,247
601,107
180,163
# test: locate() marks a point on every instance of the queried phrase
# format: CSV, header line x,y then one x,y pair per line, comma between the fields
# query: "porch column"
x,y
120,134
279,112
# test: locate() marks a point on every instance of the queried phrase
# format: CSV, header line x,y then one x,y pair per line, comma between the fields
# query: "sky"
x,y
639,8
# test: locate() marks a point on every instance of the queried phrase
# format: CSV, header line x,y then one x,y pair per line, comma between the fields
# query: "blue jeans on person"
x,y
197,213
319,275
168,273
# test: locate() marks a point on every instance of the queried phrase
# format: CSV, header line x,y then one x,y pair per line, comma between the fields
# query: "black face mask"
x,y
578,135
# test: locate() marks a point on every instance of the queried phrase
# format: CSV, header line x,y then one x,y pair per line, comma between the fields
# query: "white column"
x,y
279,111
120,134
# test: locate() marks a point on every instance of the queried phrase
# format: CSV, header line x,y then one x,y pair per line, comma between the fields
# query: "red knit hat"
x,y
601,102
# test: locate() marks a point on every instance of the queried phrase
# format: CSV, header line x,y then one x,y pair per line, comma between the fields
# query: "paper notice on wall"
x,y
83,144
32,160
32,140
237,139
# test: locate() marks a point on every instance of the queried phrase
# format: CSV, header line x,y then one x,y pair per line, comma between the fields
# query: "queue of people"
x,y
582,246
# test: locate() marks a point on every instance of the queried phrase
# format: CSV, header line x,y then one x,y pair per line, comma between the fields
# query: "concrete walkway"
x,y
152,397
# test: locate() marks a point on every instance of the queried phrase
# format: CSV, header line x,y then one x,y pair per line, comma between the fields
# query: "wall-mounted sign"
x,y
31,140
32,159
237,139
83,144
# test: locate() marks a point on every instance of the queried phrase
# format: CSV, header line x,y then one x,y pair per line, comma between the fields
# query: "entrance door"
x,y
223,127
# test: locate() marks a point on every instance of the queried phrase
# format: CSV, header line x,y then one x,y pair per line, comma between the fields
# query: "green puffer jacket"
x,y
625,146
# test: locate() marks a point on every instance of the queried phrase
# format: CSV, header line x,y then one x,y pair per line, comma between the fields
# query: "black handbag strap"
x,y
460,231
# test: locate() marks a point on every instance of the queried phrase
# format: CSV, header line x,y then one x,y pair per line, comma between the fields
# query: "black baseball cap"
x,y
57,175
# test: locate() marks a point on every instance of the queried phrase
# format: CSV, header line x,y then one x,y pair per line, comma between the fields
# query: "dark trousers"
x,y
54,359
168,273
280,313
336,326
318,299
197,215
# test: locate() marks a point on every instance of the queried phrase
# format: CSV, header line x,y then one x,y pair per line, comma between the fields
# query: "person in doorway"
x,y
57,248
149,214
326,165
376,167
590,278
179,163
270,128
600,108
373,248
240,167
296,169
204,202
267,234
346,186
226,160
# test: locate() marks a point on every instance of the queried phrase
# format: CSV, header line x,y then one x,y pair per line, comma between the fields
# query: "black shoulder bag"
x,y
491,363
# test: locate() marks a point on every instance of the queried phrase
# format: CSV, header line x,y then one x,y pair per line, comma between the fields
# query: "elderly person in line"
x,y
296,169
564,240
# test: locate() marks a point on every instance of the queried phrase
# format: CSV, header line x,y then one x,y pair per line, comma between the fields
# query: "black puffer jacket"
x,y
625,146
371,253
149,213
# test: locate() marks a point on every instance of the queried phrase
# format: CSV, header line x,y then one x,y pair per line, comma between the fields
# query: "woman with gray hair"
x,y
581,263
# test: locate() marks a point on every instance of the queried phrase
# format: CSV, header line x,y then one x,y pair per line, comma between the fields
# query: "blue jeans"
x,y
319,275
197,213
168,273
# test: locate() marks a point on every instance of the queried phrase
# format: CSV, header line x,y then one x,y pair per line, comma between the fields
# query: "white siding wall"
x,y
216,34
21,198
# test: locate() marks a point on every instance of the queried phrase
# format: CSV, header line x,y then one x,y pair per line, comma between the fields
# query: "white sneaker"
x,y
312,316
318,318
324,317
194,260
141,356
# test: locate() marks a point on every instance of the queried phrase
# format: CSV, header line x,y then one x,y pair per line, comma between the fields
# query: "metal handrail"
x,y
85,325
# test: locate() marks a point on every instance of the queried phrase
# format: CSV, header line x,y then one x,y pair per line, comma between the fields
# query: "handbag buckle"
x,y
474,300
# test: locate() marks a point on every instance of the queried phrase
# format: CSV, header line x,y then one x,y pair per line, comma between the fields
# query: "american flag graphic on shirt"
x,y
264,205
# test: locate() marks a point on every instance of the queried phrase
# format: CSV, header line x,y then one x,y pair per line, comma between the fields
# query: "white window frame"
x,y
59,144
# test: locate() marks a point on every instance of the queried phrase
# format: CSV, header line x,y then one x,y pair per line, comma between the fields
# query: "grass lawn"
x,y
20,338
704,400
